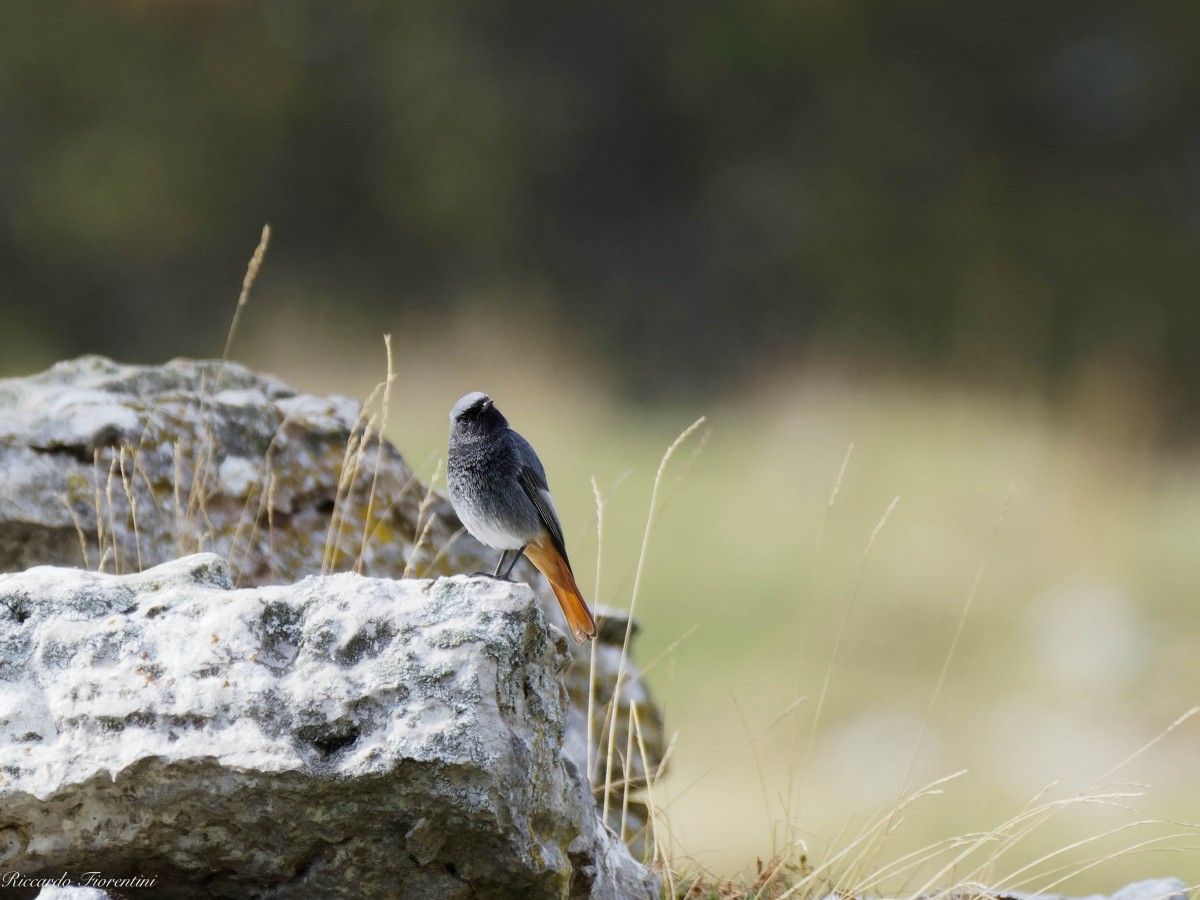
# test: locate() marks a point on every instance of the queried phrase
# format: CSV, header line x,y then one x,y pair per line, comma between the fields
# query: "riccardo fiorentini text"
x,y
84,879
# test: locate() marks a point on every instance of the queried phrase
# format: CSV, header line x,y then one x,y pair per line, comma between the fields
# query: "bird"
x,y
498,489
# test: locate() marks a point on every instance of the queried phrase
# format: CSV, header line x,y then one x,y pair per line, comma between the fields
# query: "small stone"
x,y
1153,889
55,892
76,892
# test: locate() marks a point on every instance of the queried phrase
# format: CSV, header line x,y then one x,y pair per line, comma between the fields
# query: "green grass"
x,y
1079,648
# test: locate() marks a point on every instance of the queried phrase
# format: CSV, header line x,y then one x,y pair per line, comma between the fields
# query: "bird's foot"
x,y
490,575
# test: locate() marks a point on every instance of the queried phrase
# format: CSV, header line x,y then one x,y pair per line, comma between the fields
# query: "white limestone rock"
x,y
73,892
1153,889
119,468
342,737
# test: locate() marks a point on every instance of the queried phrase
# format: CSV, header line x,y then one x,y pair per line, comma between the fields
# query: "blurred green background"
x,y
962,238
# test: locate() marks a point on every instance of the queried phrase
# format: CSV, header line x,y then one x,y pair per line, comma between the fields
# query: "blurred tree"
x,y
992,190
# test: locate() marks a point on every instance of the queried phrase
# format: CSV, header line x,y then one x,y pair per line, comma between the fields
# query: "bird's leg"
x,y
500,564
516,556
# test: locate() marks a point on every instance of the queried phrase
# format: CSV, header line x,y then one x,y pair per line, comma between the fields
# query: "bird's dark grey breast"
x,y
481,474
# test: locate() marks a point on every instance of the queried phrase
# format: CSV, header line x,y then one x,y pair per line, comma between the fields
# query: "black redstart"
x,y
498,488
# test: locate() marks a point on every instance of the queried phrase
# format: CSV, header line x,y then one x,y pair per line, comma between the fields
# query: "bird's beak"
x,y
487,404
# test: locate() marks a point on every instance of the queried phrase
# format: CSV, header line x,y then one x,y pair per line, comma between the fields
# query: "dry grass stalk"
x,y
684,435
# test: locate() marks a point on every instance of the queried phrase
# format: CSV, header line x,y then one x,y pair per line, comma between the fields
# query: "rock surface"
x,y
1152,889
118,468
72,893
342,737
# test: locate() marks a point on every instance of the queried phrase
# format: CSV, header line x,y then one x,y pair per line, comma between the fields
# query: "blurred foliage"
x,y
701,189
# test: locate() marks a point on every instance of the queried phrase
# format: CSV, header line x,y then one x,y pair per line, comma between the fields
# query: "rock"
x,y
1154,889
76,892
118,468
342,737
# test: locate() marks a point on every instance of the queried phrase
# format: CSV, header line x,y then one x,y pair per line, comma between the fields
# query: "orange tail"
x,y
557,570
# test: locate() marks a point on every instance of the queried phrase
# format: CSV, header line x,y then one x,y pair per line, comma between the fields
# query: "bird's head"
x,y
475,413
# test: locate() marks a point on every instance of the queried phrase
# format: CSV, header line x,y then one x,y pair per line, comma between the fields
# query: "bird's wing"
x,y
533,482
